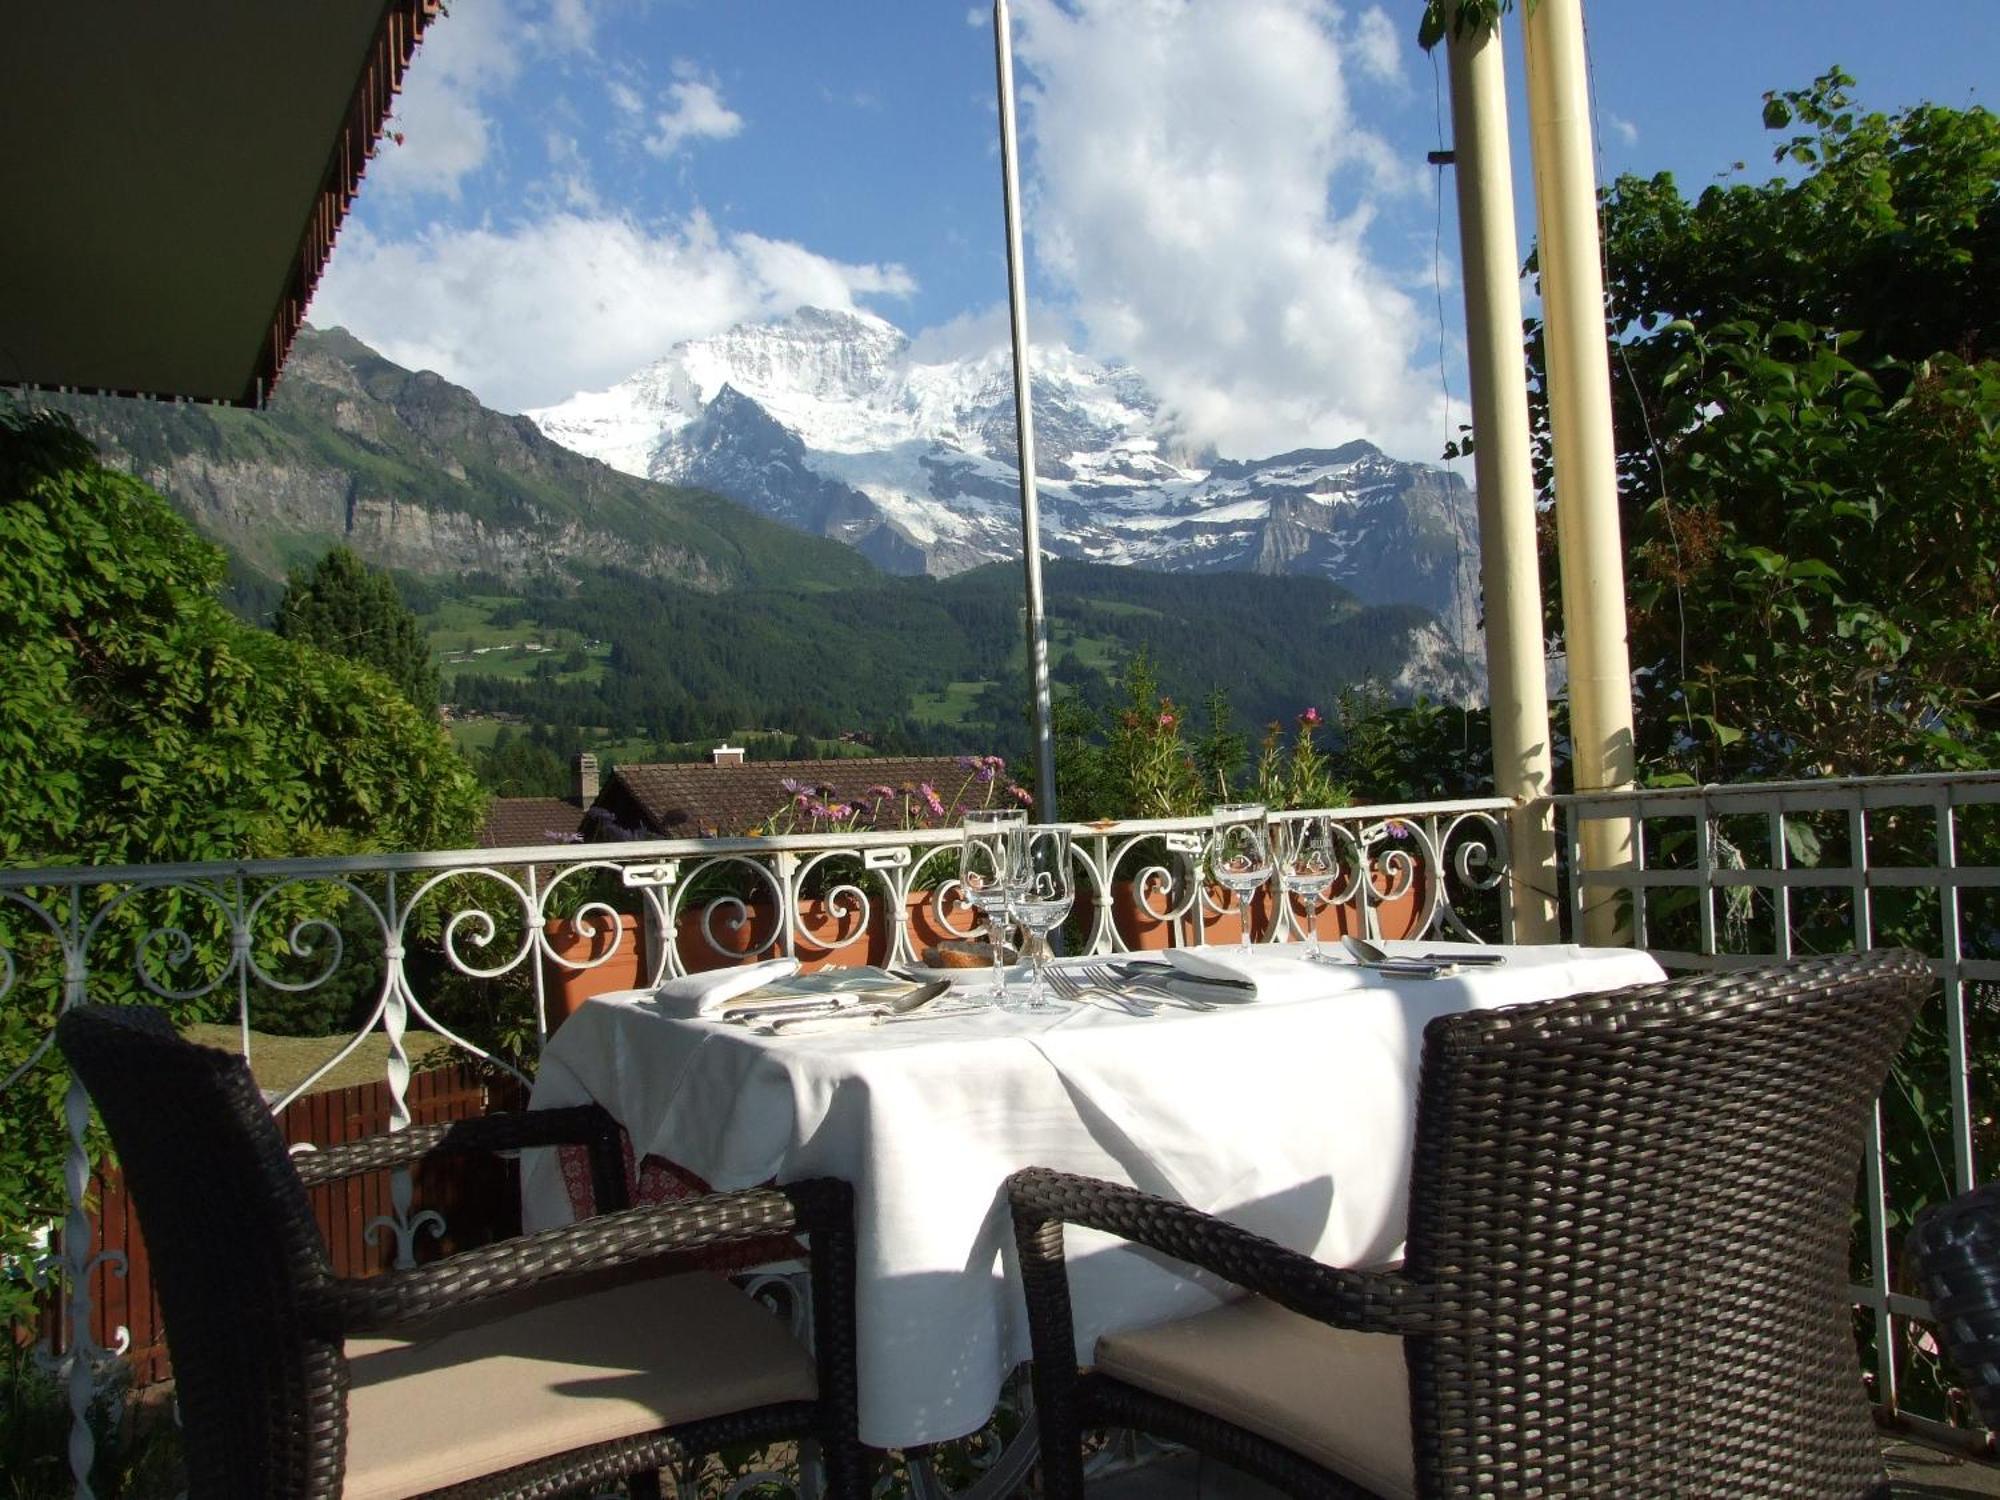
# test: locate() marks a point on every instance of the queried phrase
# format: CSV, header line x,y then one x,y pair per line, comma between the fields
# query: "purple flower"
x,y
931,799
790,785
1396,828
1021,794
985,773
879,793
967,762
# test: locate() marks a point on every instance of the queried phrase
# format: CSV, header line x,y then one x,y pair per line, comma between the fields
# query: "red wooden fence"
x,y
478,1196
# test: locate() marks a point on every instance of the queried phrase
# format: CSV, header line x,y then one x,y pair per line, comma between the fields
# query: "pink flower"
x,y
879,793
931,799
840,811
1021,794
1309,718
1167,721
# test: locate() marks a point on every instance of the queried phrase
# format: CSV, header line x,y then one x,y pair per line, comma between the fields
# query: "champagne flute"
x,y
1239,854
1307,866
989,847
1043,891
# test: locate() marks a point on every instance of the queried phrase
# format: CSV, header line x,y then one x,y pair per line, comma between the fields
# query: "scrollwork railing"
x,y
484,949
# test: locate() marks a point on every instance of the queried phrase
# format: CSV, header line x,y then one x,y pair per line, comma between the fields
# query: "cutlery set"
x,y
1136,987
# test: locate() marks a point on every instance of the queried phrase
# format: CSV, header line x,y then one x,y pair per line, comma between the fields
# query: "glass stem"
x,y
1243,910
1312,927
1036,960
996,934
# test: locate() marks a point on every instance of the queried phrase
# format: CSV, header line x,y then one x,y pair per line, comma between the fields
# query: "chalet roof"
x,y
174,178
701,799
519,822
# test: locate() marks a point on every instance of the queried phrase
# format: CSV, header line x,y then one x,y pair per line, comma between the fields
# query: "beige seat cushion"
x,y
1339,1398
470,1399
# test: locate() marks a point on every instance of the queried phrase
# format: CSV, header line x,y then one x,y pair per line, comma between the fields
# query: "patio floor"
x,y
1920,1472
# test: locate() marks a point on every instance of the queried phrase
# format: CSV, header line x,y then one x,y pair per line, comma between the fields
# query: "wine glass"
x,y
989,847
1307,865
1042,891
1239,854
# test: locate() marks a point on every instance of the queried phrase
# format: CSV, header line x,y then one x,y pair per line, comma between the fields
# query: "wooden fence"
x,y
478,1196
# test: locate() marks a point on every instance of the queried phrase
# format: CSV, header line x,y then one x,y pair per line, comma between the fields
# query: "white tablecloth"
x,y
1290,1116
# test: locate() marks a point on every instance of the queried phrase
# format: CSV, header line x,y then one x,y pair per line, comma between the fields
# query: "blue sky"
x,y
1230,195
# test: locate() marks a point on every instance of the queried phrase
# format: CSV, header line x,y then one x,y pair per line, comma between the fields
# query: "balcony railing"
x,y
482,947
1732,875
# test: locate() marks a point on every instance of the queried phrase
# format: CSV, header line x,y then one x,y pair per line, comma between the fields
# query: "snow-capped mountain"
x,y
828,421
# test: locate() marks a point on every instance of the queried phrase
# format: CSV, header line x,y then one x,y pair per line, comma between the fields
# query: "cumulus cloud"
x,y
1624,129
442,128
1202,191
529,315
694,112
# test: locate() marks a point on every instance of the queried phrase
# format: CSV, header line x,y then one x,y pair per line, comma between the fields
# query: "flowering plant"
x,y
811,807
1299,774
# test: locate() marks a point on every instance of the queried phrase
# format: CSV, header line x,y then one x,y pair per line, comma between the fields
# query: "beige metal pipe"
x,y
1586,475
1503,469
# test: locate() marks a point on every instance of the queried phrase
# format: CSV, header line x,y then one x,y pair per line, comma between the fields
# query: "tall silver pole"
x,y
1024,422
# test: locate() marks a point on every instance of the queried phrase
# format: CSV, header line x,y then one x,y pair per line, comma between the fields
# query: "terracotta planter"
x,y
926,930
1142,930
1395,916
830,936
565,988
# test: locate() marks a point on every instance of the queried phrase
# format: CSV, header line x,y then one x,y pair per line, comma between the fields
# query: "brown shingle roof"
x,y
701,799
518,822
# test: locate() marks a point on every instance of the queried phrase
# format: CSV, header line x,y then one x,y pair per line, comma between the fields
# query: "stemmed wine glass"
x,y
1042,892
1307,866
1239,854
989,848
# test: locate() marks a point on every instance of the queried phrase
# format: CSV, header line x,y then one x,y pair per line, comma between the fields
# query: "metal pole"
x,y
1024,422
1503,466
1586,470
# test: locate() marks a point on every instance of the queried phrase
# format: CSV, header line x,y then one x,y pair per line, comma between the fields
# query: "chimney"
x,y
583,779
728,755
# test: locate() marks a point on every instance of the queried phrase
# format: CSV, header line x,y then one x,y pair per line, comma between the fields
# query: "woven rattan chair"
x,y
533,1366
1956,1250
1625,1273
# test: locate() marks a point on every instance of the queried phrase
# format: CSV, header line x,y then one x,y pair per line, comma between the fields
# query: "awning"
x,y
173,178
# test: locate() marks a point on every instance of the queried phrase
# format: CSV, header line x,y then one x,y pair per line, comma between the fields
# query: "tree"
x,y
141,722
342,605
1808,417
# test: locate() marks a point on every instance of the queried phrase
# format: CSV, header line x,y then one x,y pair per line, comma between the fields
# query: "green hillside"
x,y
916,662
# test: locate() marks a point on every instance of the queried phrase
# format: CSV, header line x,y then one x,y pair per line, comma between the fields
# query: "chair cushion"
x,y
462,1399
1339,1398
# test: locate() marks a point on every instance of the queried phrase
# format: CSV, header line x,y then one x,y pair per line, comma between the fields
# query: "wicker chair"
x,y
1626,1266
533,1366
1956,1248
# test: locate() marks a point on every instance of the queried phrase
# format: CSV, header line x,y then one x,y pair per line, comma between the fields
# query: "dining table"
x,y
1287,1107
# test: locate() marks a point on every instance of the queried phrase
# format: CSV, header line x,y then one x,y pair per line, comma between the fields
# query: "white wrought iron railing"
x,y
1725,876
477,946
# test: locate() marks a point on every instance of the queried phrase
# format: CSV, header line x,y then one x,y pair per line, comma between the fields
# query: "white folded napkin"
x,y
1276,973
706,993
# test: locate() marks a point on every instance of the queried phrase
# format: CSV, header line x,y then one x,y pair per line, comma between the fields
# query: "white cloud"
x,y
1378,45
442,128
694,111
530,315
1186,159
1624,129
624,98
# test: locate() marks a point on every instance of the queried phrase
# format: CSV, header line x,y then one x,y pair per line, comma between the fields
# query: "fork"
x,y
1107,977
1080,986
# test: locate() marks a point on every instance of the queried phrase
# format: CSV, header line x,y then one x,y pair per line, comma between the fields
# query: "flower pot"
x,y
1142,929
579,963
1399,916
831,934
